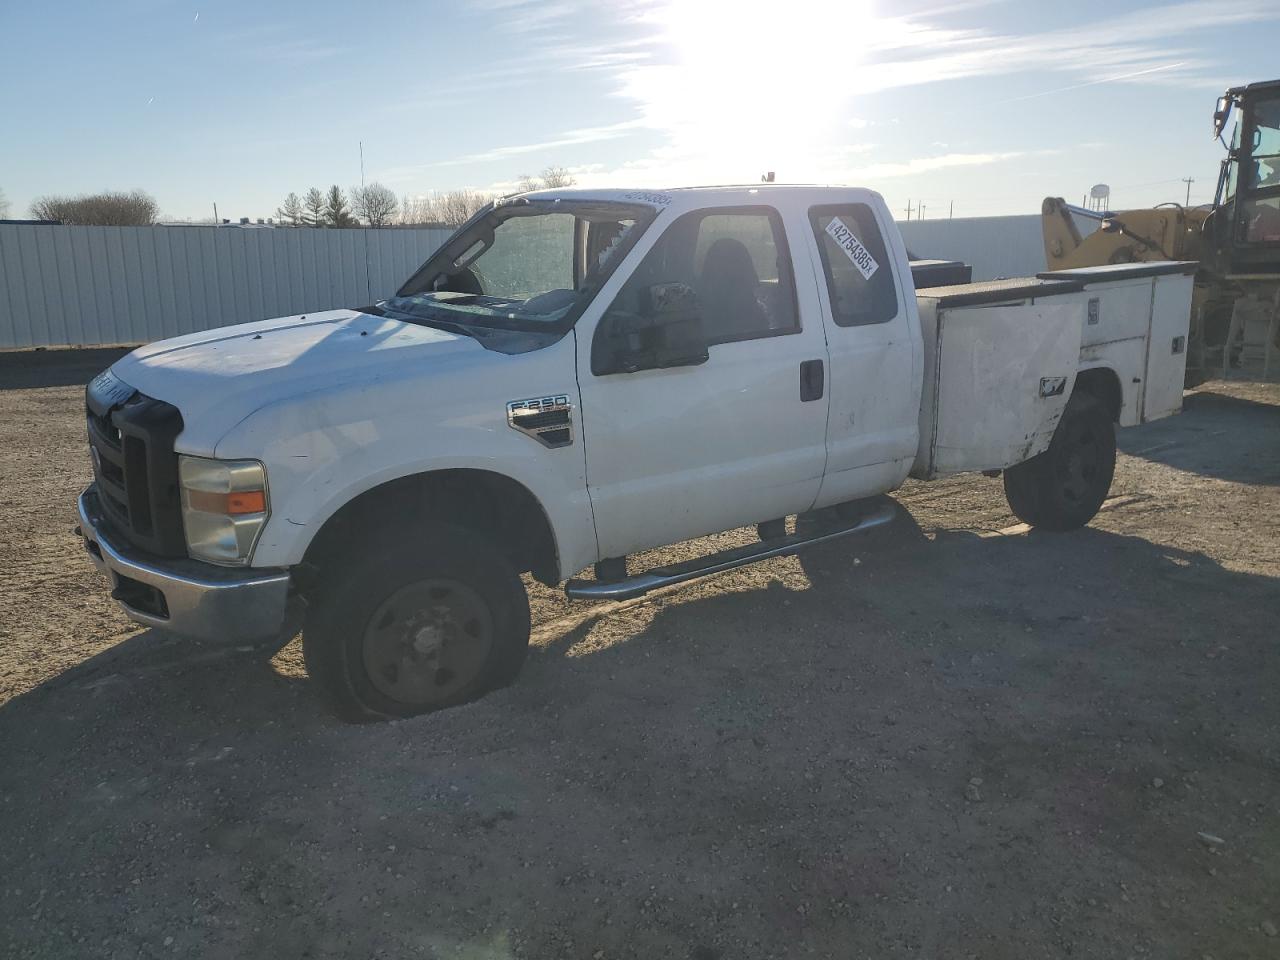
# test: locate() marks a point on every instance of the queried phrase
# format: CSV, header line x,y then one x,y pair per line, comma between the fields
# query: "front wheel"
x,y
414,625
1064,487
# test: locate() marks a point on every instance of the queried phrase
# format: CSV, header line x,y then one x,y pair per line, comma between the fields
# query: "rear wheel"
x,y
415,626
1064,487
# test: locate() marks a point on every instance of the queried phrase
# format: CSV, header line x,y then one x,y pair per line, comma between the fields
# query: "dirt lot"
x,y
948,742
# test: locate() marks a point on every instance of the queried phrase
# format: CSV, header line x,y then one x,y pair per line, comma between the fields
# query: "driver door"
x,y
675,452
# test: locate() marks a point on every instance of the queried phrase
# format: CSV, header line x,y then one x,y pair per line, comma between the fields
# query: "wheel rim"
x,y
427,641
1080,464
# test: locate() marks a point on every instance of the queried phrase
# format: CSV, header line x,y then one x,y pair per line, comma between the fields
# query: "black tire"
x,y
452,624
1064,487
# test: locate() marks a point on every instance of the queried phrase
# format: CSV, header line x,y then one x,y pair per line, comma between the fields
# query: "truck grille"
x,y
135,468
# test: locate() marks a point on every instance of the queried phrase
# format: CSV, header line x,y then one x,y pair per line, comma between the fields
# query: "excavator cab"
x,y
1235,309
1243,231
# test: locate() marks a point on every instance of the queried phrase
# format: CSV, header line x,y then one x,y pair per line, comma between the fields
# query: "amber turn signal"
x,y
230,504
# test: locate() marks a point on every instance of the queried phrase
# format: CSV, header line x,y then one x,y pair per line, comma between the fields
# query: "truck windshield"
x,y
526,265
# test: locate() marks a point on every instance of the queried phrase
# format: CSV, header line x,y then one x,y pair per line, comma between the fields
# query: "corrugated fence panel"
x,y
85,286
993,246
89,286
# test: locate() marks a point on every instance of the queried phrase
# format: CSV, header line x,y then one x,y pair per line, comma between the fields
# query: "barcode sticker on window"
x,y
853,248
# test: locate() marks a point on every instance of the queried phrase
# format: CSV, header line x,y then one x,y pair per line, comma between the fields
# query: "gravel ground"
x,y
955,739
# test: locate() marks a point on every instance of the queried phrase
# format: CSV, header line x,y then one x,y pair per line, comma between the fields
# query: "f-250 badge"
x,y
549,420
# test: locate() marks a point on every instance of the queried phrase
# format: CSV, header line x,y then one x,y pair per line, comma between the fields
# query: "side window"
x,y
743,276
1262,220
854,260
737,263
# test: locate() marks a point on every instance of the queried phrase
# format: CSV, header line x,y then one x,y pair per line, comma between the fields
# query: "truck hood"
x,y
219,377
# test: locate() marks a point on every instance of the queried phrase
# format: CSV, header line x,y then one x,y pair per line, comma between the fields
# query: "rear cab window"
x,y
855,264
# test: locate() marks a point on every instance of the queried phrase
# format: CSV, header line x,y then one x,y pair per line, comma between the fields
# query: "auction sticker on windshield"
x,y
853,248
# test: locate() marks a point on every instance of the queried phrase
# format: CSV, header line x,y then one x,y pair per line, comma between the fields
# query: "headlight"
x,y
224,507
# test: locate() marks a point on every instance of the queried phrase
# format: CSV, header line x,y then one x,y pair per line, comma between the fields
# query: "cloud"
x,y
1091,83
566,139
884,171
529,17
277,43
716,89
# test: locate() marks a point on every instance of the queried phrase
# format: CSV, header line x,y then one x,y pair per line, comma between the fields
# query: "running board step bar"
x,y
642,583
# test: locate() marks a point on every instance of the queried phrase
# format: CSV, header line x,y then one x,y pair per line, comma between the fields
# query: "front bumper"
x,y
186,597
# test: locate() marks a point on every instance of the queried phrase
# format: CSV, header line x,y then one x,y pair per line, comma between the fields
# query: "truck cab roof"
x,y
691,198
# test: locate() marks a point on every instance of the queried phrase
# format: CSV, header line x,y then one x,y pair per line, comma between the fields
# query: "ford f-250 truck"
x,y
577,376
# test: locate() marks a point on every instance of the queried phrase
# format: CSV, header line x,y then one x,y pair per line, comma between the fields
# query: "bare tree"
x,y
313,204
375,203
106,209
336,211
291,211
4,206
557,177
451,208
549,179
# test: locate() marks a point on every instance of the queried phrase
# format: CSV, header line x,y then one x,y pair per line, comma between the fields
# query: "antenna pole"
x,y
216,221
362,164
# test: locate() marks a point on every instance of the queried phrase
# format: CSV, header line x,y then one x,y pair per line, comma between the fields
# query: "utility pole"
x,y
216,221
908,211
361,164
920,212
1188,181
952,212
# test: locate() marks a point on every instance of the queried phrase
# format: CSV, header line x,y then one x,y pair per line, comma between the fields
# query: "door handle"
x,y
811,380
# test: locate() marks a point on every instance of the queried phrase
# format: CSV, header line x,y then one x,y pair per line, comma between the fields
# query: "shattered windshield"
x,y
523,265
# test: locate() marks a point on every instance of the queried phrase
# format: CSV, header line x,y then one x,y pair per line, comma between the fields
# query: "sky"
x,y
967,107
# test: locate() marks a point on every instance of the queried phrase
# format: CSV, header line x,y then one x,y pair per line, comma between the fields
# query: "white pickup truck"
x,y
580,375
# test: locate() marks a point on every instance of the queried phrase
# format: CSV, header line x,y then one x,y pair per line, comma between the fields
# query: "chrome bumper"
x,y
186,597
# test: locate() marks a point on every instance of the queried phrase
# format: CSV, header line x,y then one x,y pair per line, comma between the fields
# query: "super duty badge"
x,y
549,420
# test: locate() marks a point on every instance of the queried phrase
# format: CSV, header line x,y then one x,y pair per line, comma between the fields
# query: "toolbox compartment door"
x,y
997,380
1166,365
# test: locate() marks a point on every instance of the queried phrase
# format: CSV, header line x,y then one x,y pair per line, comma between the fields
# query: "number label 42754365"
x,y
853,248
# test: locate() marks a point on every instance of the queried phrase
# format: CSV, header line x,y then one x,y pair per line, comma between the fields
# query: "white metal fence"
x,y
85,286
993,246
90,286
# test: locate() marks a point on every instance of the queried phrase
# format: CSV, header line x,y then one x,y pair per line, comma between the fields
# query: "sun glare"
x,y
754,86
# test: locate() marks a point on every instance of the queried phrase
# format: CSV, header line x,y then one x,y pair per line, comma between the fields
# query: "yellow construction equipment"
x,y
1235,315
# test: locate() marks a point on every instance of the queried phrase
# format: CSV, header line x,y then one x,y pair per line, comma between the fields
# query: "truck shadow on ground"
x,y
25,369
748,762
1201,439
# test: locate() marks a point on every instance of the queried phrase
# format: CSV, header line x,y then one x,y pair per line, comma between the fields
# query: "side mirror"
x,y
1221,113
669,301
665,332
